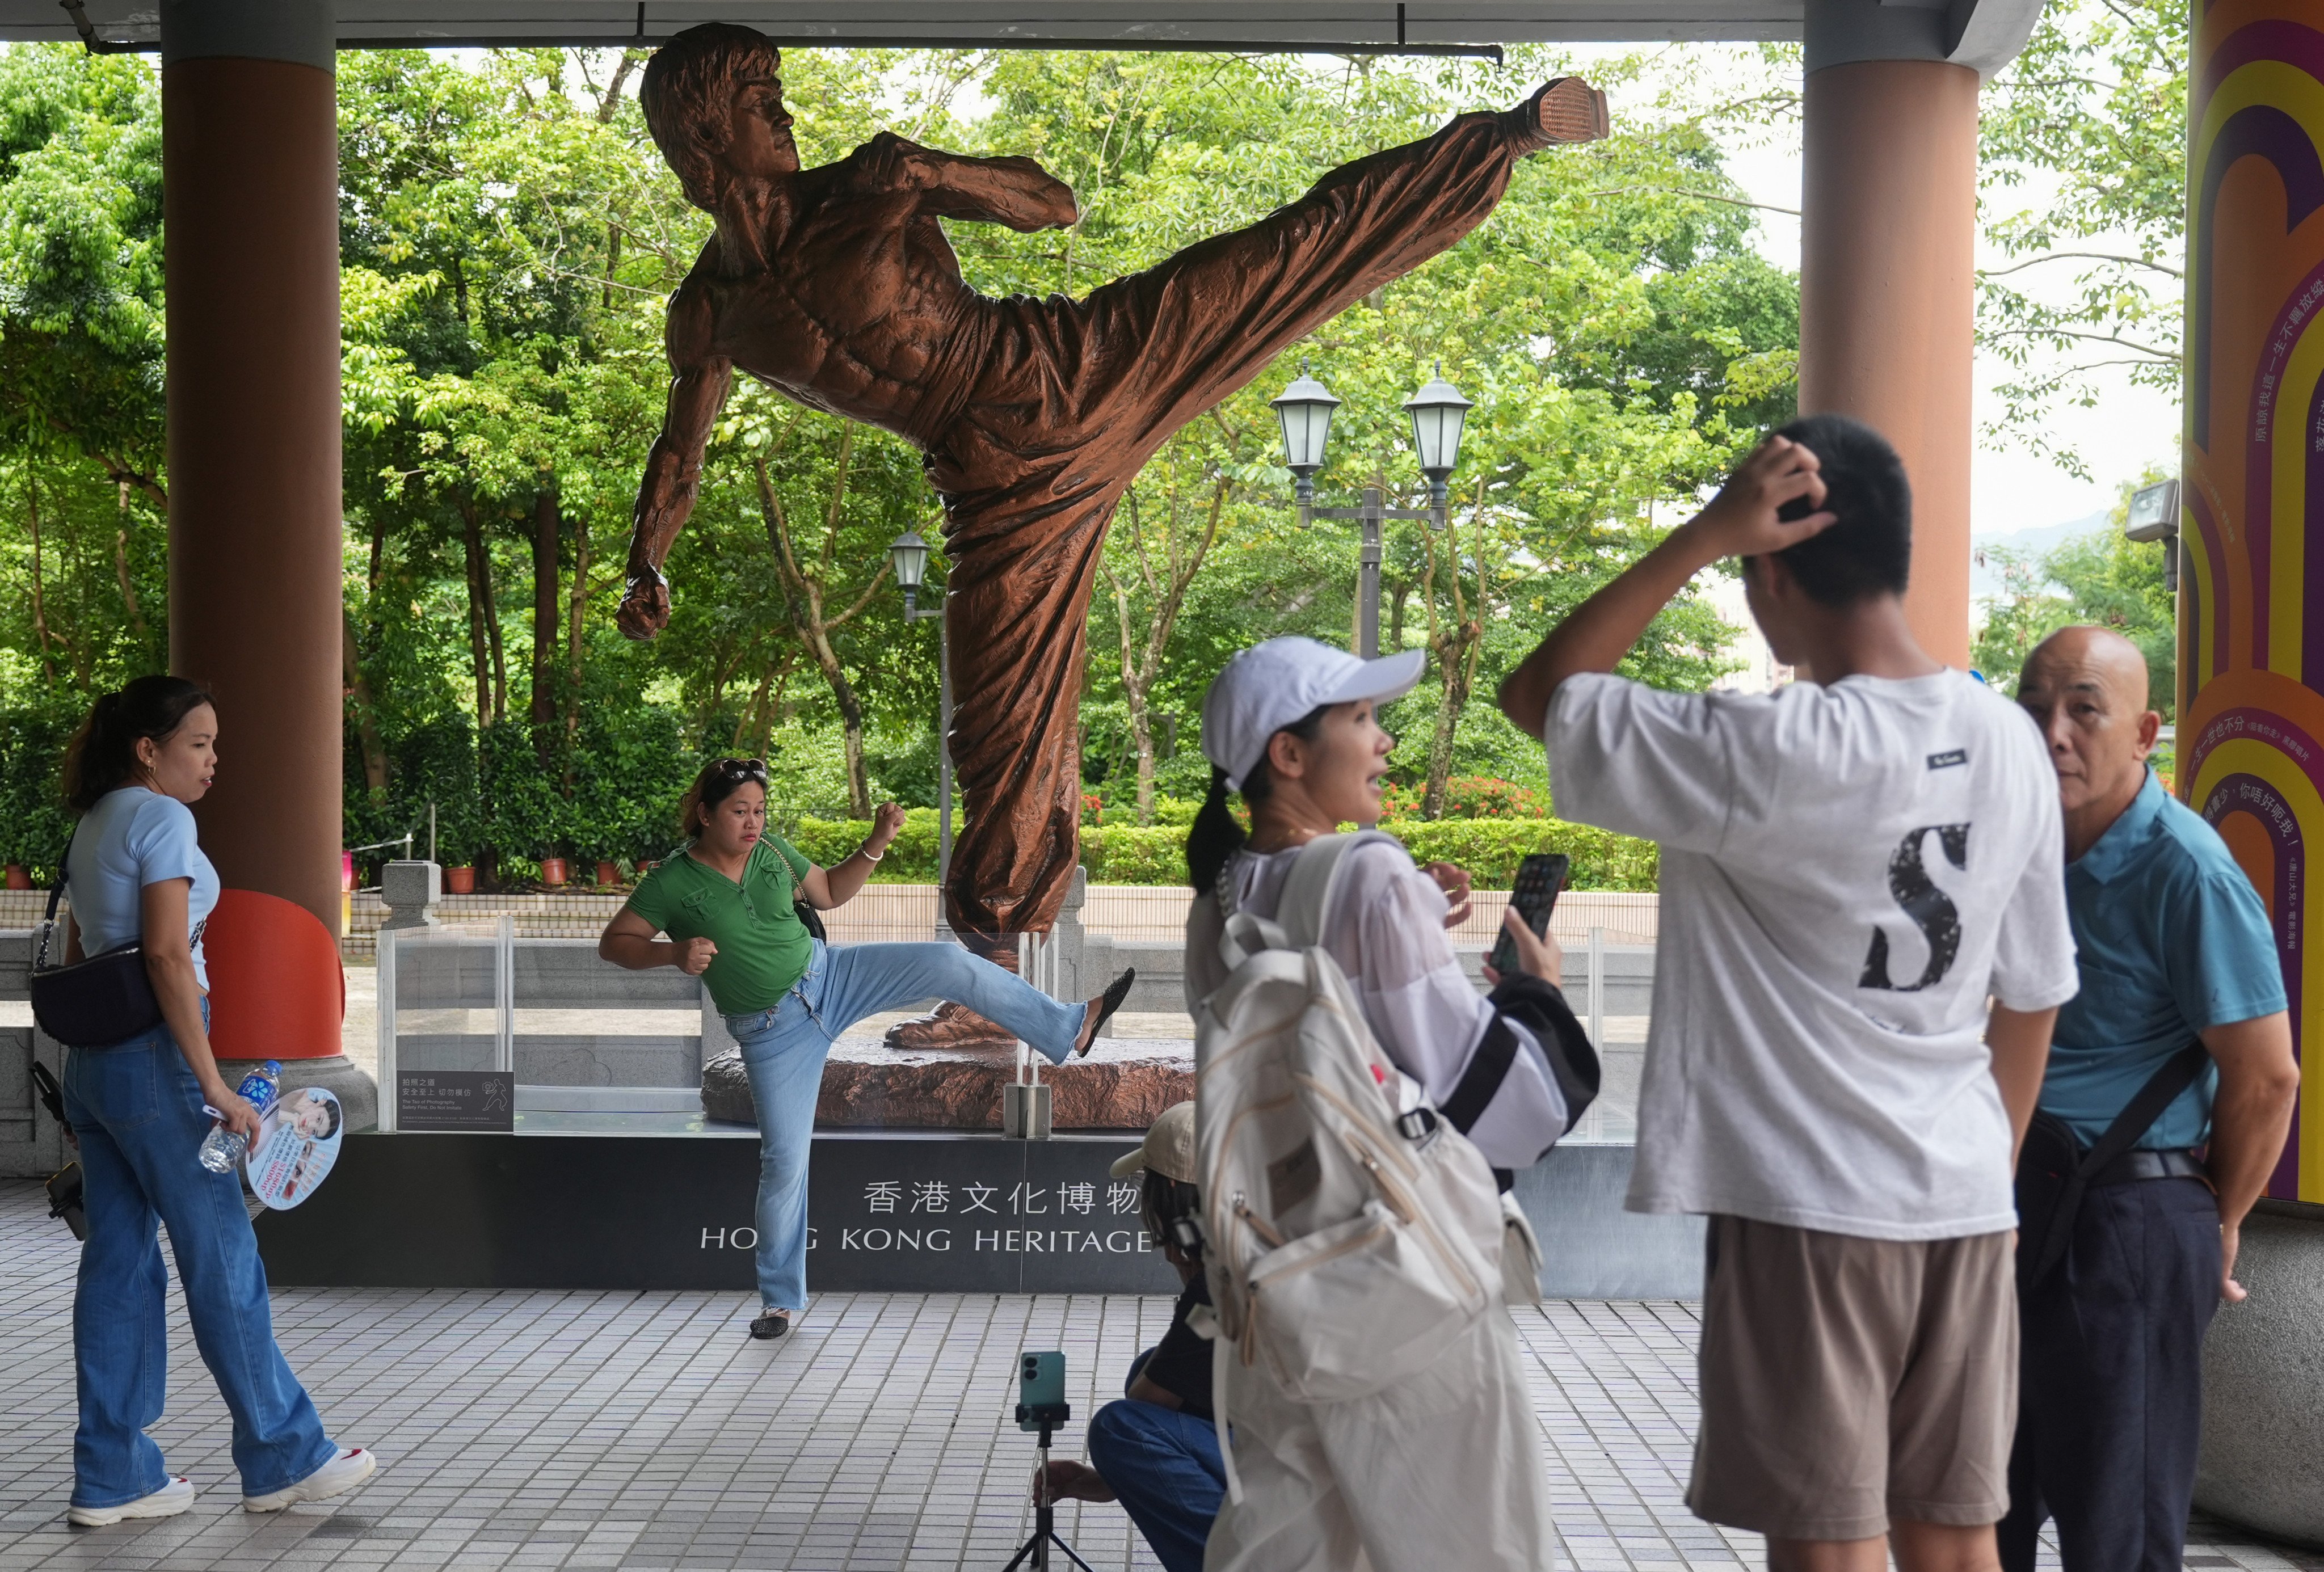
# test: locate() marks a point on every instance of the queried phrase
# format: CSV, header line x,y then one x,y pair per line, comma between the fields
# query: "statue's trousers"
x,y
1061,401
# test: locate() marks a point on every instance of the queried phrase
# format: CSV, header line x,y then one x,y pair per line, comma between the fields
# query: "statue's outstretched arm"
x,y
1014,191
674,468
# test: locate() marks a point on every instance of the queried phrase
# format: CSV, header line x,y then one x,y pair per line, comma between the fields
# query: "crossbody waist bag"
x,y
103,1000
2054,1172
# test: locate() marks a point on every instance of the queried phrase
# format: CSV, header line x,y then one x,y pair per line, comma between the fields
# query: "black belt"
x,y
2137,1164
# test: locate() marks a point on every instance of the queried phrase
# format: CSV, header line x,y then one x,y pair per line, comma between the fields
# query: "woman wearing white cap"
x,y
1292,725
1449,1472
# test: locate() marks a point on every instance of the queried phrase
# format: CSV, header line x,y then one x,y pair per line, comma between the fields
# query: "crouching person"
x,y
1156,1450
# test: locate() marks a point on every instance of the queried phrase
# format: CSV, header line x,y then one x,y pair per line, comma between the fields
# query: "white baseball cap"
x,y
1168,1148
1270,685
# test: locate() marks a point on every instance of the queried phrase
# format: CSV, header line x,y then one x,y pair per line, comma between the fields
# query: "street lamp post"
x,y
1438,413
2154,516
908,554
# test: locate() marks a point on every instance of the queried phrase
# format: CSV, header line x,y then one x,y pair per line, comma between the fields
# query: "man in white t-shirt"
x,y
1850,868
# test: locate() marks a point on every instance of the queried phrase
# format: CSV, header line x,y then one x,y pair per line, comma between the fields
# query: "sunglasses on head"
x,y
742,770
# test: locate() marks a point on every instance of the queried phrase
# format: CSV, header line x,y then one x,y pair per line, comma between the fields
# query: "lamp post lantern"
x,y
2154,516
1438,413
1305,409
908,555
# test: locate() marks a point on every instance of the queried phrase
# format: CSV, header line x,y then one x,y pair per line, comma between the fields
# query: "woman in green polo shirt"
x,y
729,905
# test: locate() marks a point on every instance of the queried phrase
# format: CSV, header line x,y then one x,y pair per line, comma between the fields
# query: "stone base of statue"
x,y
1122,1085
339,1075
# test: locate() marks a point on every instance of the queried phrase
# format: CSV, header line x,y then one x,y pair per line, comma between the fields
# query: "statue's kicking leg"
x,y
1071,399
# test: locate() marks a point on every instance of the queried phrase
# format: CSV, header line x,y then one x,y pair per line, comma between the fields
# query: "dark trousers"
x,y
2110,1394
1164,1469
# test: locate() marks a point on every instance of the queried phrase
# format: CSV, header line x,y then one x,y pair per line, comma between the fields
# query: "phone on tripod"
x,y
1534,893
1041,1407
1041,1390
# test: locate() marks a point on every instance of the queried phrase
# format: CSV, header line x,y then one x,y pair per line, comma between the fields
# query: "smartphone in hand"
x,y
1540,876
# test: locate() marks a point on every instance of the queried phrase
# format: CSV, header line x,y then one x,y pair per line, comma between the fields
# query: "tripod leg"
x,y
1023,1552
1070,1551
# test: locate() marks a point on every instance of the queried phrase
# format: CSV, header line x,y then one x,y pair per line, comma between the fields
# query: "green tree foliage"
x,y
2084,147
2102,579
509,236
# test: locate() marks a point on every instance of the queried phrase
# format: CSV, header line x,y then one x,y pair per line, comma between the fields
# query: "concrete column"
x,y
1888,254
250,184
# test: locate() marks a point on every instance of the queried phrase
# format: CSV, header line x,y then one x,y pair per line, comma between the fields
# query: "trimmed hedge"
x,y
1155,854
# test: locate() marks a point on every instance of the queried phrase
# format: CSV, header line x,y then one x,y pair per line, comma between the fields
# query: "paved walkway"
x,y
539,1430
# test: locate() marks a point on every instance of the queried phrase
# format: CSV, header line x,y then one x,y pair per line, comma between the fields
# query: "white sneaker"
x,y
351,1467
167,1501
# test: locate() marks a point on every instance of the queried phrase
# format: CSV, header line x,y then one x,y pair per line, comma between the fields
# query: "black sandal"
x,y
1107,1003
770,1325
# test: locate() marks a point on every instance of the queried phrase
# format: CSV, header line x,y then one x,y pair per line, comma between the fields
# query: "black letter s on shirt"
x,y
1931,911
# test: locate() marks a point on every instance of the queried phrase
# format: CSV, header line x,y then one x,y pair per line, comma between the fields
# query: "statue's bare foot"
x,y
645,606
1568,109
952,1028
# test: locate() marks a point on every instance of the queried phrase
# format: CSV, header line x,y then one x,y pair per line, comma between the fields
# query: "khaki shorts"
x,y
1847,1380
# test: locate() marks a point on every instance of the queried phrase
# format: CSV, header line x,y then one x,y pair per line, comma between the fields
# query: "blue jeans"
x,y
1163,1465
783,1050
137,1112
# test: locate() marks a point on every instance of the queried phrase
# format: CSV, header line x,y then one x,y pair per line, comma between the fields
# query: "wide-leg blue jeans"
x,y
783,1050
137,1112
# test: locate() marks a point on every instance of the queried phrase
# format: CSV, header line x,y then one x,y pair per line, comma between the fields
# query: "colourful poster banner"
x,y
2251,624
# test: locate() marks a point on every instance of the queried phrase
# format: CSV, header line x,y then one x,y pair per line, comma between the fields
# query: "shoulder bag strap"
x,y
2162,1090
1313,884
2138,1116
56,890
1541,1006
1488,1067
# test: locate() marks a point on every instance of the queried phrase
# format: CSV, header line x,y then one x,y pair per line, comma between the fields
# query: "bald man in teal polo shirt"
x,y
2174,946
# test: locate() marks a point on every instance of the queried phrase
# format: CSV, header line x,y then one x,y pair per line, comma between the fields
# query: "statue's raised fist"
x,y
645,606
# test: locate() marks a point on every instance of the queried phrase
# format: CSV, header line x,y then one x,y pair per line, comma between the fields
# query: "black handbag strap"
x,y
2162,1090
1573,1062
1488,1066
2138,1116
55,891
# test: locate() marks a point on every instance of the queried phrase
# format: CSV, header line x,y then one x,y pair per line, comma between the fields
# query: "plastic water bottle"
x,y
222,1148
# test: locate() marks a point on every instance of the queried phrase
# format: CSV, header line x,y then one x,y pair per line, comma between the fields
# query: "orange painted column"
x,y
1888,314
250,185
2251,608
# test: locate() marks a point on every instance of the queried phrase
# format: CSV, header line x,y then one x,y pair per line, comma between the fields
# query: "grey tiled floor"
x,y
539,1430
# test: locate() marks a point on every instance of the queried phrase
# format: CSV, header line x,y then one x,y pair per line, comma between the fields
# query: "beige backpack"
x,y
1350,1232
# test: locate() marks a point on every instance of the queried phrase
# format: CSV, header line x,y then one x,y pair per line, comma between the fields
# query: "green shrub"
x,y
1156,854
911,859
1490,849
1135,854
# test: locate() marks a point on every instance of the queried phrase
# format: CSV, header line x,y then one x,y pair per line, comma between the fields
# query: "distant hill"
x,y
1985,581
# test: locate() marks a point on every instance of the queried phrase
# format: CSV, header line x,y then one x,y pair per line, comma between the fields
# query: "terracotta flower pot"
x,y
607,874
460,881
552,872
17,877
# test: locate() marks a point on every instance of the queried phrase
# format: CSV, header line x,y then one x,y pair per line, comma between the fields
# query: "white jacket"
x,y
1387,935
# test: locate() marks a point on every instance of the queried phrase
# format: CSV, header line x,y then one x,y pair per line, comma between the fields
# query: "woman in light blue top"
x,y
136,1108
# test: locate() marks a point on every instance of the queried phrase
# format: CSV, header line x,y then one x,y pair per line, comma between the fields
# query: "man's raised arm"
x,y
1742,521
1015,191
674,468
